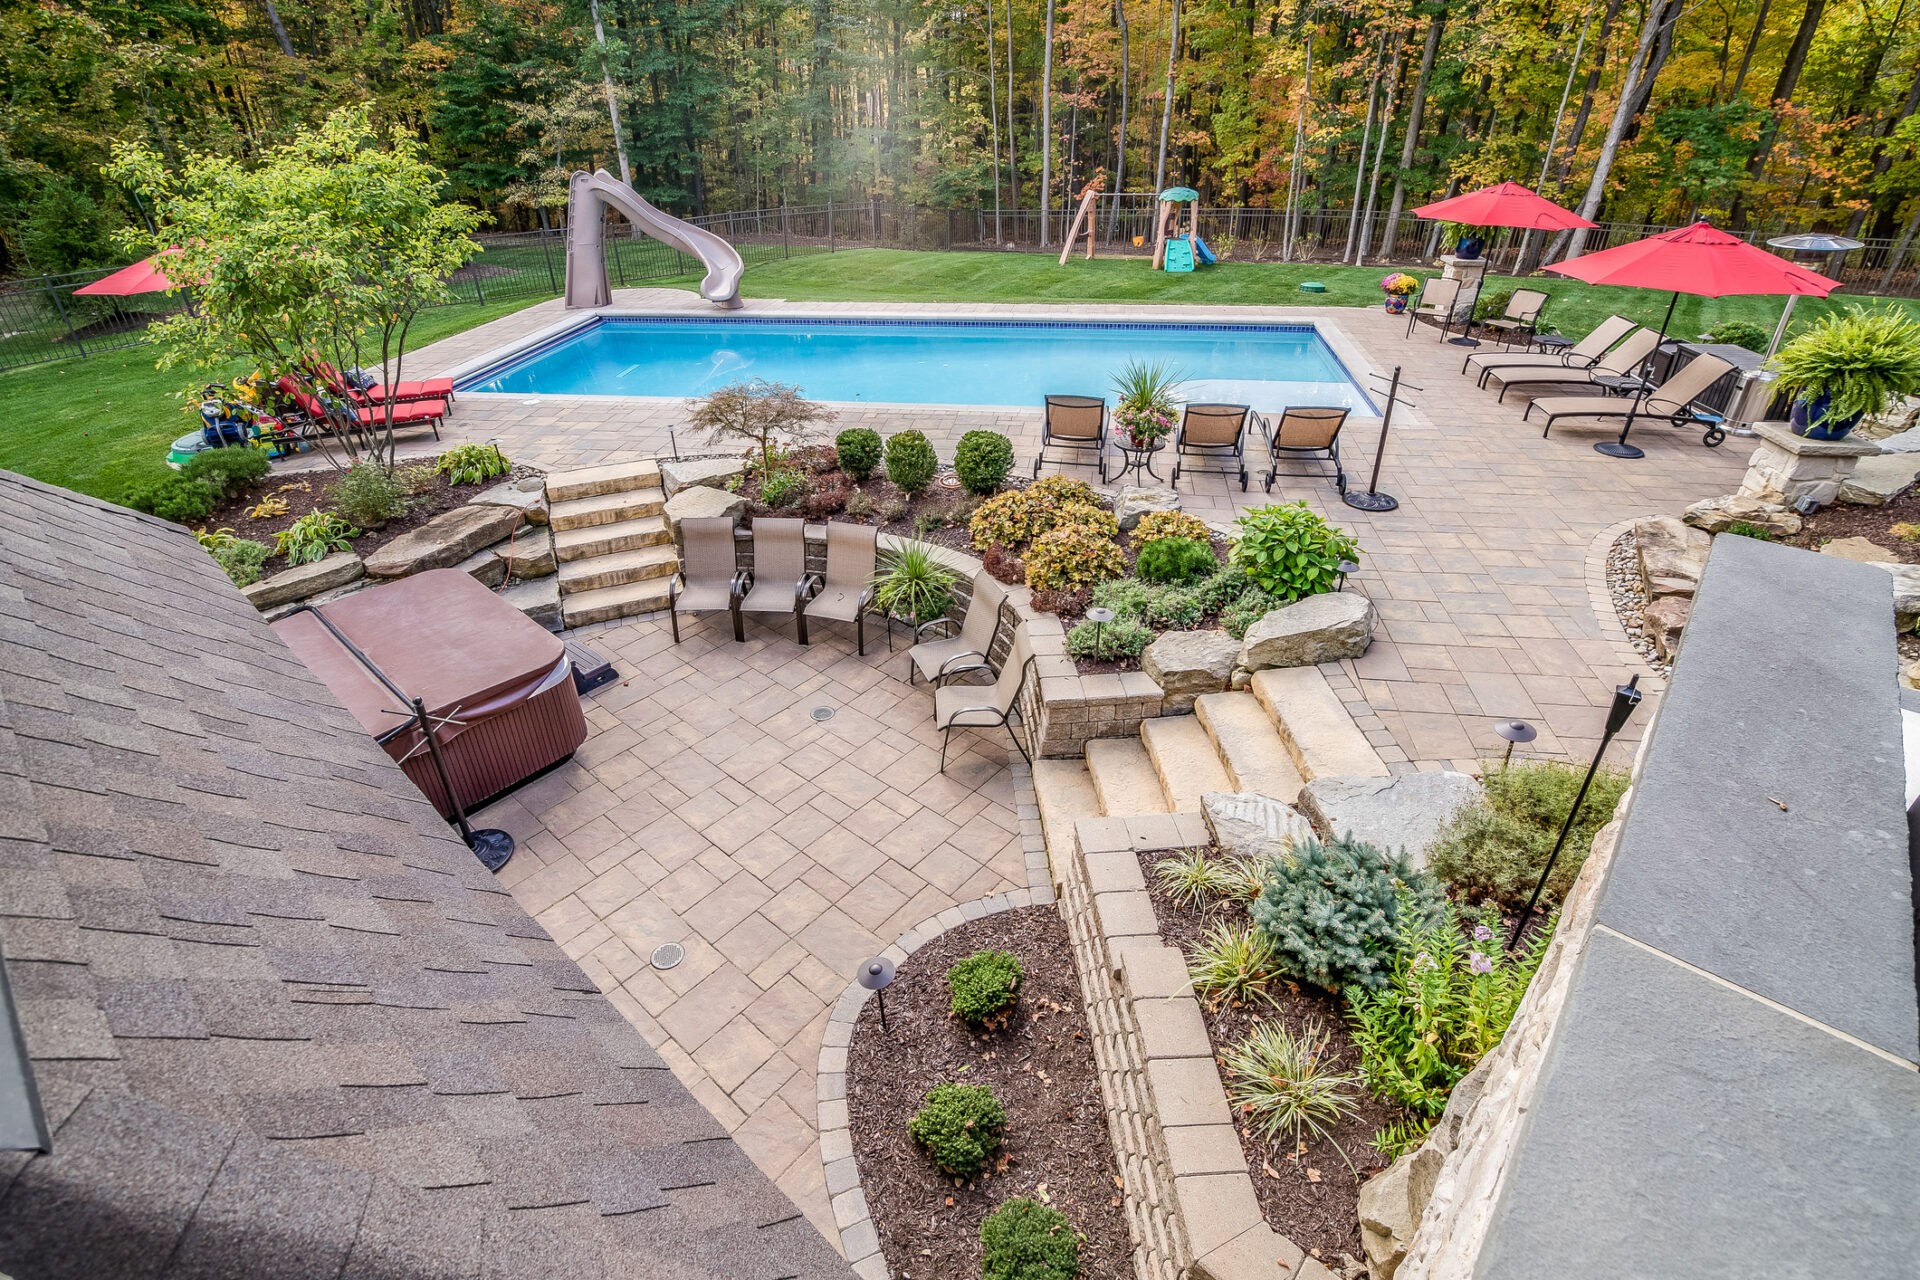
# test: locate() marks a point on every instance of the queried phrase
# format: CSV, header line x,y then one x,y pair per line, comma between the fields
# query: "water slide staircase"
x,y
589,194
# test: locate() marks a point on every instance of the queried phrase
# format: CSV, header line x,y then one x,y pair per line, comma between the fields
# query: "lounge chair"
x,y
1074,422
1437,296
939,660
320,421
847,595
1578,356
403,392
709,579
1217,431
1671,402
982,706
1521,318
779,581
1623,361
1306,432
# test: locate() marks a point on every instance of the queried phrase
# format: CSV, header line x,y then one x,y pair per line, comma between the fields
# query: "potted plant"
x,y
1145,412
913,585
1398,286
1847,365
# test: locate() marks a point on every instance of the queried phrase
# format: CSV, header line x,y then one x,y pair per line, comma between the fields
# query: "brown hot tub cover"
x,y
497,685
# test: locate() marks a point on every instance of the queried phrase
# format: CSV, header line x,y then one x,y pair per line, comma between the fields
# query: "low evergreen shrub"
x,y
369,495
178,498
1495,848
960,1127
982,461
984,986
858,450
1025,1240
911,461
228,471
1334,911
1176,560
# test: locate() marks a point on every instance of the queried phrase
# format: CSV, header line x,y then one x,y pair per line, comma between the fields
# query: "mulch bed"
x,y
1311,1196
1040,1067
310,491
1844,520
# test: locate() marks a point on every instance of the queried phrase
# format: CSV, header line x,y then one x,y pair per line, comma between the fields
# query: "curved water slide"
x,y
588,196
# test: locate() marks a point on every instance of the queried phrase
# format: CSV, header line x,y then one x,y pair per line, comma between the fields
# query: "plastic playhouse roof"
x,y
1179,195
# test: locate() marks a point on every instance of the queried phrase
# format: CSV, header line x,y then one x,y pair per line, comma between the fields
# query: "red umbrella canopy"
x,y
141,277
1506,204
1700,259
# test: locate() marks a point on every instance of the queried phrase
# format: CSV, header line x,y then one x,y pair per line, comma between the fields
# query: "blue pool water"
x,y
961,362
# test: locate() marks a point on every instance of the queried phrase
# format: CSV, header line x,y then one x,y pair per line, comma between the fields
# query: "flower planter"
x,y
1807,413
1396,304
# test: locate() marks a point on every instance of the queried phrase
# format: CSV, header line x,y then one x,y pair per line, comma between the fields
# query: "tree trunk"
x,y
1782,92
1046,132
1380,149
1415,110
1120,147
1753,42
1578,133
613,102
1622,117
1366,136
993,112
1166,111
1900,250
1013,134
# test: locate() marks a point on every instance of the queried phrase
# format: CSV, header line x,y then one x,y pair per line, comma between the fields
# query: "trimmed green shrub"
x,y
313,537
1111,642
982,461
960,1126
1290,551
858,450
1491,305
782,487
1494,848
1740,333
370,495
228,471
984,986
1025,1240
911,461
176,498
472,463
1175,560
242,559
1334,911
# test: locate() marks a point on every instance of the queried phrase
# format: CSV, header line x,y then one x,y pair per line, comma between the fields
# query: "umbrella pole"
x,y
1780,330
1620,448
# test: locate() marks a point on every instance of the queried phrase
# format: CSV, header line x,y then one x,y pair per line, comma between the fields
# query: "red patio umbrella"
x,y
142,277
1701,260
1505,204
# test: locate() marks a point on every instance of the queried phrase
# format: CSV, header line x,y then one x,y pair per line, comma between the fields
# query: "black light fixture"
x,y
1344,568
876,975
1625,698
1099,617
1517,733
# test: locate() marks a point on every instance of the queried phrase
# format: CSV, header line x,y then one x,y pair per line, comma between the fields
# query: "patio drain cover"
x,y
821,713
667,955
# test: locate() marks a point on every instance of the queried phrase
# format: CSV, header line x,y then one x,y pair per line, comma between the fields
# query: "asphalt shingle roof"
x,y
282,1022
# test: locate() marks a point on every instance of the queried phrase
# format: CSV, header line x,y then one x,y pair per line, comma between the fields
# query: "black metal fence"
x,y
42,318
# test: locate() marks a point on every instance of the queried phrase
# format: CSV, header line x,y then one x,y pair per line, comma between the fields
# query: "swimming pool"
x,y
959,362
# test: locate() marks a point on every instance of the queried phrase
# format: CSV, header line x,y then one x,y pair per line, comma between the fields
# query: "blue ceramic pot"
x,y
1807,412
1469,248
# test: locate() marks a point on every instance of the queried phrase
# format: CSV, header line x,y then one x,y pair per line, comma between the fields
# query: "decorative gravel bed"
x,y
1040,1067
1629,598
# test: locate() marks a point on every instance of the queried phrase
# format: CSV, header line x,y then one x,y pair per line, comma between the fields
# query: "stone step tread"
x,y
1319,733
606,508
1123,778
621,535
1065,793
623,601
1185,760
613,477
618,567
1256,756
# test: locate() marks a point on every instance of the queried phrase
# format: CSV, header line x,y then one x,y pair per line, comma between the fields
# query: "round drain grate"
x,y
667,955
821,713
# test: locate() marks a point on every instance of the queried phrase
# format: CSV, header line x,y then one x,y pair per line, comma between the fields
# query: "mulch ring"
x,y
309,491
1310,1196
1041,1069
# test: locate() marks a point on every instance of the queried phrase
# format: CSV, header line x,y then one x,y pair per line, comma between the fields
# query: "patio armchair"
x,y
1624,361
1074,423
941,659
853,557
1580,355
1520,318
1306,432
779,581
1437,296
709,579
1217,431
983,706
1670,402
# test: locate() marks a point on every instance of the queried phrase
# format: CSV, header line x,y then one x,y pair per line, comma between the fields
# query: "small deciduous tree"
x,y
759,413
324,250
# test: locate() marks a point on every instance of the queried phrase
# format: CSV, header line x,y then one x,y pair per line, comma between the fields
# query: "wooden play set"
x,y
1174,249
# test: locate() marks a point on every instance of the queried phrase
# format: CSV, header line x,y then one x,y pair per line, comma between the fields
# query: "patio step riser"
x,y
1184,760
1310,719
1123,778
619,569
603,509
1244,736
594,482
608,603
607,539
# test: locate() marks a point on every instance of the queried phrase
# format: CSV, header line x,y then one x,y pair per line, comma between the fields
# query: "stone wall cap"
x,y
1780,435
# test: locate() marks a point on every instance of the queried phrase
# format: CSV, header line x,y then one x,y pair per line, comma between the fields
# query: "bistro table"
x,y
1137,458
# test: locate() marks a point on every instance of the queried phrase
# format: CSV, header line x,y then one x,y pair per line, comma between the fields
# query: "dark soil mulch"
x,y
310,491
1844,520
1320,1216
1041,1069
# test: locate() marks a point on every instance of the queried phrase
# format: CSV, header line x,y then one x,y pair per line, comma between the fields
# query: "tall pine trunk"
x,y
1120,145
1783,88
1166,111
1622,117
1046,132
1415,110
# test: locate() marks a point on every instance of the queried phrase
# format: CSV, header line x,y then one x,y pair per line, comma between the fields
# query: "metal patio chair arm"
x,y
920,631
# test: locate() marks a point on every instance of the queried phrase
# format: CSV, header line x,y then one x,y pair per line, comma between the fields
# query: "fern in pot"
x,y
1849,365
913,585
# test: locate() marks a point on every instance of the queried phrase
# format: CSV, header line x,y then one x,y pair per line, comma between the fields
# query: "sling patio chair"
x,y
376,393
314,418
982,706
1074,423
853,558
1670,402
938,660
1623,361
709,579
1437,296
1217,431
1520,320
1578,356
1308,432
779,581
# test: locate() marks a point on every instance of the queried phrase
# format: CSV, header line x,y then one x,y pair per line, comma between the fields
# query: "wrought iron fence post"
x,y
65,319
546,252
830,247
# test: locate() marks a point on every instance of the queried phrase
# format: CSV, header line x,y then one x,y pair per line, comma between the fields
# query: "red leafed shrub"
x,y
1066,601
1004,564
827,495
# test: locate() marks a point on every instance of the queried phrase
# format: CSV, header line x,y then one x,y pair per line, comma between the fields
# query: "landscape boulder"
x,y
1863,550
1878,480
527,495
325,598
1906,592
1716,515
528,554
698,502
1246,825
1135,501
1392,814
304,580
444,541
1672,556
711,473
485,568
538,599
1392,1203
1663,621
1186,664
1322,628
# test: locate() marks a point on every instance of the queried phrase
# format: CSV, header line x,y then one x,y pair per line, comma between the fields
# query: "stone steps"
x,y
606,539
617,569
617,507
593,482
1313,723
603,604
1244,736
1064,791
1124,780
1185,760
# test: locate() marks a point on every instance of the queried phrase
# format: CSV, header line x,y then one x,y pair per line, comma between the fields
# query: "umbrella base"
x,y
492,846
1619,449
1464,342
1370,501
